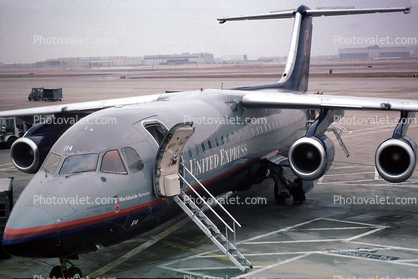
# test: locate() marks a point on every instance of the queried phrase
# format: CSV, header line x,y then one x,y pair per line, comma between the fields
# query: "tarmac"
x,y
352,225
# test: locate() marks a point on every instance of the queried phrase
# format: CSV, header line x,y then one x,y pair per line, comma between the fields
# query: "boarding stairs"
x,y
198,216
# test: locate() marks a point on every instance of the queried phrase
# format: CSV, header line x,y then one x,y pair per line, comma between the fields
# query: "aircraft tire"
x,y
56,272
297,192
73,272
3,255
10,141
279,195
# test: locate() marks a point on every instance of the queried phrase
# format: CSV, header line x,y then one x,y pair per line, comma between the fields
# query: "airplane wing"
x,y
272,99
86,107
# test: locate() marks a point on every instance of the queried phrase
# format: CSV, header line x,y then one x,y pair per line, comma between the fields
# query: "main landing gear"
x,y
61,271
284,188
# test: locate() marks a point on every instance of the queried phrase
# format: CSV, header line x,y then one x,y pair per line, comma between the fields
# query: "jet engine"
x,y
311,157
396,158
29,152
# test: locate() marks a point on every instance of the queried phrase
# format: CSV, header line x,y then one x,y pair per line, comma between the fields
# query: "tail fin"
x,y
296,73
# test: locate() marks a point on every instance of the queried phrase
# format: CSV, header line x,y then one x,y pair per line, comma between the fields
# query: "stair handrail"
x,y
206,204
213,198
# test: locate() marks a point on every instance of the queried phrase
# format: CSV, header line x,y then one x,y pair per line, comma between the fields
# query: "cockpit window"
x,y
51,163
135,163
79,163
112,163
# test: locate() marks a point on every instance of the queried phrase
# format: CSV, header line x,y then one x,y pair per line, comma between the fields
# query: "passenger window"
x,y
209,144
197,150
238,136
189,151
222,140
135,163
243,136
216,142
203,147
79,163
112,163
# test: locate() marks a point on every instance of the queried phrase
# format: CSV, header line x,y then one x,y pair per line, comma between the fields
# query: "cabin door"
x,y
167,163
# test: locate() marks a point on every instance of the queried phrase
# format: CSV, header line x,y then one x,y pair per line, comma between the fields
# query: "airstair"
x,y
198,216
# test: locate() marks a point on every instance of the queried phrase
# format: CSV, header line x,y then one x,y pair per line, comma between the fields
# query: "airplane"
x,y
109,170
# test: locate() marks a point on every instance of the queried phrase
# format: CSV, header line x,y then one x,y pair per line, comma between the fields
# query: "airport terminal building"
x,y
377,53
115,61
179,59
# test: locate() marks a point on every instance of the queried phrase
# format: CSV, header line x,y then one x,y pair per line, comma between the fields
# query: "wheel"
x,y
56,272
29,98
10,141
279,195
3,255
73,272
297,192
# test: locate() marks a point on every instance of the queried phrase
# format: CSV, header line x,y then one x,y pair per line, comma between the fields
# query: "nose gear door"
x,y
167,162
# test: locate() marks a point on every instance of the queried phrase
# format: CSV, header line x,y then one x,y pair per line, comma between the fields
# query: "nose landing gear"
x,y
61,271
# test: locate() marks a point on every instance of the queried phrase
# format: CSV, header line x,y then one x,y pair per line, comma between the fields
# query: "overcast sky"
x,y
33,31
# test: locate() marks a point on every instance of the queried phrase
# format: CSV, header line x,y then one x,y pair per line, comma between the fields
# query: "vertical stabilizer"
x,y
296,73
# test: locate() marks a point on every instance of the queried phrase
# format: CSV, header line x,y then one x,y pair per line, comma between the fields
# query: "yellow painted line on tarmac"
x,y
11,169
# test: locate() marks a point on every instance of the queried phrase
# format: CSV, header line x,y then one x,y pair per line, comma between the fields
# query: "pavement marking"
x,y
139,249
296,255
274,265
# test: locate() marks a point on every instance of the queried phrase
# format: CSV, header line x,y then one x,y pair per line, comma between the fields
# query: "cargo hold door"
x,y
167,163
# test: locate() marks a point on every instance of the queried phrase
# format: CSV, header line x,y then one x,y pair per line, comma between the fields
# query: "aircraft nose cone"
x,y
30,232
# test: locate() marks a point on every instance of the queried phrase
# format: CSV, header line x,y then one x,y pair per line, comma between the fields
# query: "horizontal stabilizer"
x,y
317,13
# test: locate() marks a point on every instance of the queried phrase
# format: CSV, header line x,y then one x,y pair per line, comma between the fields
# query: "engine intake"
x,y
396,159
311,157
28,153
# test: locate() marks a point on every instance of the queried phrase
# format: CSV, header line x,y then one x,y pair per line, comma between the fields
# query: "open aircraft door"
x,y
167,163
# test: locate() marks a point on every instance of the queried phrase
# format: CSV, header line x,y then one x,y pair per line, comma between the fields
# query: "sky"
x,y
32,31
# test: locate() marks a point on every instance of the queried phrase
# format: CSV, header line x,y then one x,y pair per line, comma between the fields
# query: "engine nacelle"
x,y
311,157
396,159
28,153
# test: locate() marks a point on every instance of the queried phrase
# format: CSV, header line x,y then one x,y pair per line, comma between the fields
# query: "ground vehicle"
x,y
44,94
11,129
36,94
6,204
